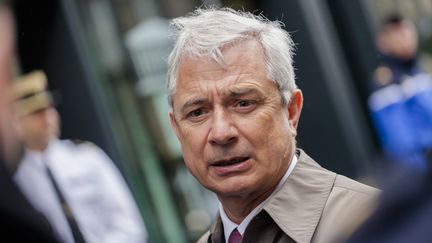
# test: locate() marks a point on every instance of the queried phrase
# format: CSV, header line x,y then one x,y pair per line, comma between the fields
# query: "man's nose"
x,y
223,130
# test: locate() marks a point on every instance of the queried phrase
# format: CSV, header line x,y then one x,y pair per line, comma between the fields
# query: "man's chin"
x,y
232,189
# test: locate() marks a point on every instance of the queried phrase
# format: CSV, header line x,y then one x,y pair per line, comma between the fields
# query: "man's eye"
x,y
245,106
244,103
196,113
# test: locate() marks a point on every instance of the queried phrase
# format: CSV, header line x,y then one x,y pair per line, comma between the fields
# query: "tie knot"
x,y
235,237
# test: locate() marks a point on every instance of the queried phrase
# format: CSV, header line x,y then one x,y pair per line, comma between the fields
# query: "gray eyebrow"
x,y
240,91
232,92
193,102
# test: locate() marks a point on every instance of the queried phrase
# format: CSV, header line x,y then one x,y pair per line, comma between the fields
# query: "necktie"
x,y
235,237
77,235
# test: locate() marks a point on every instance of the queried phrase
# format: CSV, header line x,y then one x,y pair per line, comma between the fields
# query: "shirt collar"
x,y
229,226
39,158
36,157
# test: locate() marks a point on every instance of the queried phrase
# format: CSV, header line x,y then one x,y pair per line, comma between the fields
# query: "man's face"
x,y
38,128
399,40
237,137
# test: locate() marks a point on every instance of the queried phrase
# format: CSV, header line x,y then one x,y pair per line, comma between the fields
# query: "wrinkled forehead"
x,y
244,73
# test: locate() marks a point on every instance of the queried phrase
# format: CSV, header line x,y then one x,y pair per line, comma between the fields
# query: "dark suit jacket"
x,y
19,222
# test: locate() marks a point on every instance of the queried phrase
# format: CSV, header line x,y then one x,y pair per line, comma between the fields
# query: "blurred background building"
x,y
107,58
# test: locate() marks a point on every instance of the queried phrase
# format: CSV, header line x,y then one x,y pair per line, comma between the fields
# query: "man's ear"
x,y
295,107
174,123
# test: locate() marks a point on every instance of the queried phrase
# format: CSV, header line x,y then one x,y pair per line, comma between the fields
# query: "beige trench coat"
x,y
314,205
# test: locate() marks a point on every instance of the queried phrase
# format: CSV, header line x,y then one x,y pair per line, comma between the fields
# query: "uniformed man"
x,y
401,98
75,185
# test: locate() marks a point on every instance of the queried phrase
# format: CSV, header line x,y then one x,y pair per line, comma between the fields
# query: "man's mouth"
x,y
228,162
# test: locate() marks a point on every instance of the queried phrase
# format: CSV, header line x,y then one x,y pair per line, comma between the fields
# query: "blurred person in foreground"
x,y
401,98
235,110
404,214
74,184
19,221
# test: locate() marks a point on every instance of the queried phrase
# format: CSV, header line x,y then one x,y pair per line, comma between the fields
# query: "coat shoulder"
x,y
347,184
348,205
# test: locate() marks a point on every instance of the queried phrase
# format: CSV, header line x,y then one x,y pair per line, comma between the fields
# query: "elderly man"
x,y
235,109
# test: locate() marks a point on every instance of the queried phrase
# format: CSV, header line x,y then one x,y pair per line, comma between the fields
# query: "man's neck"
x,y
237,212
37,147
238,207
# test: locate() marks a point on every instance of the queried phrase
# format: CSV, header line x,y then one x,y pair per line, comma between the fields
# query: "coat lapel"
x,y
217,231
298,206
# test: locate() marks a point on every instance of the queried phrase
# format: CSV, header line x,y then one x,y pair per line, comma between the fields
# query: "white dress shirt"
x,y
93,187
229,226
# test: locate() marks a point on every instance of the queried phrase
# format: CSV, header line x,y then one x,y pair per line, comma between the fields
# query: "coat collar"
x,y
216,231
298,206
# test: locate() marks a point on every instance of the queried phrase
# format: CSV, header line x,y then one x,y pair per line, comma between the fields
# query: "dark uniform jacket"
x,y
19,222
401,109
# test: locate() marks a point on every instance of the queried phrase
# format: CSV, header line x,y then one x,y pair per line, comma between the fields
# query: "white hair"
x,y
205,31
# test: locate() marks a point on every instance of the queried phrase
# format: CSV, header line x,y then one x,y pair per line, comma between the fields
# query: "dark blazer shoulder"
x,y
19,221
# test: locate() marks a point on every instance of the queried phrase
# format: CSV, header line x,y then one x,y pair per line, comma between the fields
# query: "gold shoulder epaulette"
x,y
82,142
382,75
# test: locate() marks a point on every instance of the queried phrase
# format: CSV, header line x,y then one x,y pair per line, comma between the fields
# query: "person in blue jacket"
x,y
401,98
